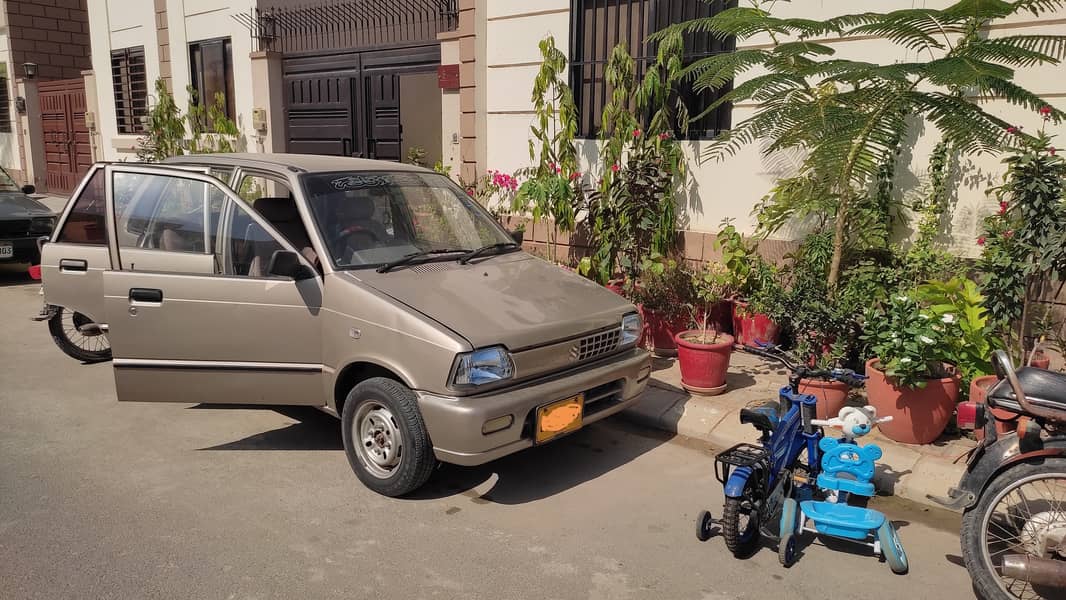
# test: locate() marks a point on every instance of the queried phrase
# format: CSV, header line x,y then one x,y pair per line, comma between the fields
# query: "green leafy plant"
x,y
551,191
663,285
958,302
164,128
910,341
1023,259
710,285
847,116
416,155
211,130
201,129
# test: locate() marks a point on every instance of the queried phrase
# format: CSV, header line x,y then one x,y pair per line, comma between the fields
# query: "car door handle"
x,y
73,264
146,295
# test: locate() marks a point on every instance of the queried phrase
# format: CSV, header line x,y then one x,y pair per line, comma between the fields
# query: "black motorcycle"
x,y
1013,494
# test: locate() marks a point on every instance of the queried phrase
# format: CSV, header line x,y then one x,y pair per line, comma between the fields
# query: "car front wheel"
x,y
385,438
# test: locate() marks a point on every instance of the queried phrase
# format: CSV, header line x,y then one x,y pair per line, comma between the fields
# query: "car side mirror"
x,y
284,263
518,236
28,189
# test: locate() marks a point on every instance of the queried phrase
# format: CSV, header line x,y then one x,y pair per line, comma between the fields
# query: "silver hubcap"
x,y
1029,517
378,439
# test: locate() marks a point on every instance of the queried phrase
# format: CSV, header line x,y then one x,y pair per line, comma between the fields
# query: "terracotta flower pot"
x,y
1041,360
1006,421
832,395
703,366
751,327
661,330
919,415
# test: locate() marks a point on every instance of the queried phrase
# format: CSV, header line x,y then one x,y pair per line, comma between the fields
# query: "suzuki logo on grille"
x,y
575,352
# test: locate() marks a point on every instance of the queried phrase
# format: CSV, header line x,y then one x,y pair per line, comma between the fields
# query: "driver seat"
x,y
285,217
363,230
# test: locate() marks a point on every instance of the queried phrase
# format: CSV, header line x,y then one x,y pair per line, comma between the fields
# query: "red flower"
x,y
552,166
614,167
574,175
1045,110
1008,233
1002,208
981,241
470,192
1051,150
1012,129
664,135
636,132
558,170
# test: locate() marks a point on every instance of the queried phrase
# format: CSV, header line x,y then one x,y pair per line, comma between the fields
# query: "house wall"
x,y
731,189
10,151
116,24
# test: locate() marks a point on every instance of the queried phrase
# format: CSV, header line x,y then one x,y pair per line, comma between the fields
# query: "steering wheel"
x,y
351,230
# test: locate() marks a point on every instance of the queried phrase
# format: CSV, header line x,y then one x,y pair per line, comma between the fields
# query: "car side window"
x,y
245,247
85,224
161,212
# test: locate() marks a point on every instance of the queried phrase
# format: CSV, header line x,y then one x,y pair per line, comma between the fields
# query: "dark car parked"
x,y
22,221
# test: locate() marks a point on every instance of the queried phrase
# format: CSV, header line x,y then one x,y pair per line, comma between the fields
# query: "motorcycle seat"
x,y
1041,387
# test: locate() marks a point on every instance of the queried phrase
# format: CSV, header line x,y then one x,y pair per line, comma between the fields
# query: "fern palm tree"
x,y
847,116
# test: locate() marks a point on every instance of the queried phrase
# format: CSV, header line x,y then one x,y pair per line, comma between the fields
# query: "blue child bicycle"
x,y
759,477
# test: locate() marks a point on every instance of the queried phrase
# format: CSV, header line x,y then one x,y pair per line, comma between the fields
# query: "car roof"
x,y
296,163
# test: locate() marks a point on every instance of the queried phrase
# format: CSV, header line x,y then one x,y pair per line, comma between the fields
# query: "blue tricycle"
x,y
758,478
847,471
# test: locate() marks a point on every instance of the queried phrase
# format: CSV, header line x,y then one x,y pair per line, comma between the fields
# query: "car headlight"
x,y
42,224
483,366
632,327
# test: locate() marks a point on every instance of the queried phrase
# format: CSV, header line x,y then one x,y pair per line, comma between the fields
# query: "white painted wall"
x,y
732,188
10,156
115,24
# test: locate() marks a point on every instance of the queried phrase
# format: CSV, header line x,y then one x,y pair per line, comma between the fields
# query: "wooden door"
x,y
67,149
383,112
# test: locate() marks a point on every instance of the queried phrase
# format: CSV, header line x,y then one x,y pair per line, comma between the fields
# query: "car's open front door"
x,y
234,334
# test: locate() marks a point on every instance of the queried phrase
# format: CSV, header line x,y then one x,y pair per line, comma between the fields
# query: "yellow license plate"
x,y
558,418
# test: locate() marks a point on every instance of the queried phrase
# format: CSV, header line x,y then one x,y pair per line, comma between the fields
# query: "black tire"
x,y
399,458
987,584
704,526
63,328
786,550
742,542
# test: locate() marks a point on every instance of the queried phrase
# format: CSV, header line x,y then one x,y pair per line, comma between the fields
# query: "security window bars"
x,y
597,26
130,87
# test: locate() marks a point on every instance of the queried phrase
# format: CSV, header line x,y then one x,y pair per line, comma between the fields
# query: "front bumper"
x,y
26,250
455,423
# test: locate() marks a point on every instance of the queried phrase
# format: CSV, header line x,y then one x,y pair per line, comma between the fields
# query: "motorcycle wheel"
x,y
740,519
1022,511
87,347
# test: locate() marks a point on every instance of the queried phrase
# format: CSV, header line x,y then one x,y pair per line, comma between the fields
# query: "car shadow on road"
x,y
313,430
544,471
11,274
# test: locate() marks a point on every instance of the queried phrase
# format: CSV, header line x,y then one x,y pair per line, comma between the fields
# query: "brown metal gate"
x,y
67,150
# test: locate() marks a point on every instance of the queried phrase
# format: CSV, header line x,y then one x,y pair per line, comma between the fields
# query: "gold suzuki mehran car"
x,y
376,291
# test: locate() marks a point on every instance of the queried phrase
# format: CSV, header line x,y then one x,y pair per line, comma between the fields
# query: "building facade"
x,y
450,81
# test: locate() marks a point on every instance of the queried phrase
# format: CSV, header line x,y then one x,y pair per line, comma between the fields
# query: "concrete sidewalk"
x,y
55,203
904,470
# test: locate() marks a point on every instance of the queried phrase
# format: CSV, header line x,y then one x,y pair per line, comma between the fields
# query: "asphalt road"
x,y
106,500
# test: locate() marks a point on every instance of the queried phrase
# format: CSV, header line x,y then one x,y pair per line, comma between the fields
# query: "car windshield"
x,y
373,218
7,184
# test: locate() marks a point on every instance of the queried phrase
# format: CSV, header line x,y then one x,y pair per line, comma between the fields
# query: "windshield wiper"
x,y
469,256
407,258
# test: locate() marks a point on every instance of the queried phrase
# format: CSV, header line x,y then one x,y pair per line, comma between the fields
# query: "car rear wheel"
x,y
78,336
385,438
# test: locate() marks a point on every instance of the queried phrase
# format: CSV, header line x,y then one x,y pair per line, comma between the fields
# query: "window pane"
x,y
159,212
248,245
85,224
211,66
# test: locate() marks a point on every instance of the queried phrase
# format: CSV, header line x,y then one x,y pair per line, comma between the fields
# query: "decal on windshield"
x,y
358,182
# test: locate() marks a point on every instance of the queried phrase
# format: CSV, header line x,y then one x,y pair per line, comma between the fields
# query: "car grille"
x,y
14,228
595,345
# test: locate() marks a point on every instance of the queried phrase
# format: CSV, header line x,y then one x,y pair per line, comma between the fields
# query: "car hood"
x,y
512,299
19,205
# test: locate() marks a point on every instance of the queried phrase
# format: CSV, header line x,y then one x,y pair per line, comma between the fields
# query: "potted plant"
x,y
703,352
663,292
909,379
754,283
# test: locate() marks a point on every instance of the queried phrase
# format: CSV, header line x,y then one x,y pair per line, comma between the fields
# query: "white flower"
x,y
905,359
948,318
902,298
924,316
926,339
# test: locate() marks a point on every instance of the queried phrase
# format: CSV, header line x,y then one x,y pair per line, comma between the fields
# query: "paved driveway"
x,y
106,500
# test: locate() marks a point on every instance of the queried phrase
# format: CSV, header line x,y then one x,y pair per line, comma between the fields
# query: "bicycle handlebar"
x,y
845,376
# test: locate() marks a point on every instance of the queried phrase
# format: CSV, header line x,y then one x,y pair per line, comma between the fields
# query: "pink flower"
x,y
664,135
470,192
636,132
1051,150
981,241
1002,208
574,175
1008,233
614,167
1045,110
1012,129
553,166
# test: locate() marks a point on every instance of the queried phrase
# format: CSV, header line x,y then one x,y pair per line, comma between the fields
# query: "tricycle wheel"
x,y
704,525
740,521
892,548
786,550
